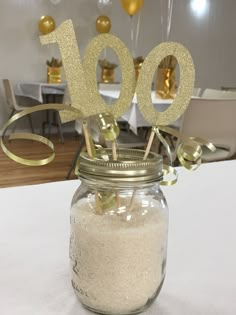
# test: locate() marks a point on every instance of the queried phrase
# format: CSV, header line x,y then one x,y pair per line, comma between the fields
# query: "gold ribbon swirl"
x,y
189,152
31,136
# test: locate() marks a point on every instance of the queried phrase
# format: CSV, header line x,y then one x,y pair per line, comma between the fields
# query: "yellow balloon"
x,y
103,24
132,6
46,24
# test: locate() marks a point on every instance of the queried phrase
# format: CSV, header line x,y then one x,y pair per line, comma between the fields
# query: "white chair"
x,y
228,88
12,103
197,92
218,94
213,120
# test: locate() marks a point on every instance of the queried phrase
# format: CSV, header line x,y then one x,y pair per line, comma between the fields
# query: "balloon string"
x,y
137,31
132,35
169,18
162,22
166,23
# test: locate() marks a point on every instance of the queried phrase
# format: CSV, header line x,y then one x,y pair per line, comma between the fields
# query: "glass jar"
x,y
119,225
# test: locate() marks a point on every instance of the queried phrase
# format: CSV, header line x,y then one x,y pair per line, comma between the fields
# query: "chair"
x,y
213,120
12,103
218,94
228,88
197,92
56,120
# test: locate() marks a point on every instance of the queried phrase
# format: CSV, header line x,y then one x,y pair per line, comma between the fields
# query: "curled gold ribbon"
x,y
108,126
189,152
167,171
34,137
164,142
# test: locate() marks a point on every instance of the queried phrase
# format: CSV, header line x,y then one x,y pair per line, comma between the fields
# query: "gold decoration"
x,y
82,83
54,70
166,78
64,36
53,75
33,137
54,63
127,73
138,62
190,149
166,83
107,71
132,7
183,97
103,24
108,126
167,171
46,24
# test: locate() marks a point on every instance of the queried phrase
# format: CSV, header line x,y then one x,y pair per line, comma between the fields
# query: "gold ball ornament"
x,y
46,24
132,7
103,24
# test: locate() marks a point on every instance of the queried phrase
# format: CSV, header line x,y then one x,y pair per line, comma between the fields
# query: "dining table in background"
x,y
45,93
200,279
133,115
38,90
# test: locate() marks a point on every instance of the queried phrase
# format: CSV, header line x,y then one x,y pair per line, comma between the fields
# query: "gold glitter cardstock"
x,y
82,82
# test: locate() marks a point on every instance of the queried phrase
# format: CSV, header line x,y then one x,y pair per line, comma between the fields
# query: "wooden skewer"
x,y
90,154
149,145
87,140
114,151
115,158
147,151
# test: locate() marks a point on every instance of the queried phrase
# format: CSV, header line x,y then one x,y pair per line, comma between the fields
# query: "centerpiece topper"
x,y
86,100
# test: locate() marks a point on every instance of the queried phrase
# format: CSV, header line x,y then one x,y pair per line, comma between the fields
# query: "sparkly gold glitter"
x,y
82,85
81,80
127,70
64,36
187,75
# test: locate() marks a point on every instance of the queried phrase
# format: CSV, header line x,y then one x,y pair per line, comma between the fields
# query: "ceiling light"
x,y
199,7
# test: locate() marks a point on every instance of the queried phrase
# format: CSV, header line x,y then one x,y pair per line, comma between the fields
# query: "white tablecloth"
x,y
36,90
201,277
133,116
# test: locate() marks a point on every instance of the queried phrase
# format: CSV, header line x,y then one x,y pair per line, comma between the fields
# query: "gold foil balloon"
x,y
46,24
132,6
103,24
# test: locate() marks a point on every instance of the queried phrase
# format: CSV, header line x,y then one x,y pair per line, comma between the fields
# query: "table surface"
x,y
201,276
35,90
155,100
133,116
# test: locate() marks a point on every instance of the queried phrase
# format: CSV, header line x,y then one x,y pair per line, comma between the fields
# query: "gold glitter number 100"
x,y
82,81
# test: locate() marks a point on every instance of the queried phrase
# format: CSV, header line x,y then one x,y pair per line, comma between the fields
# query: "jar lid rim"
x,y
129,167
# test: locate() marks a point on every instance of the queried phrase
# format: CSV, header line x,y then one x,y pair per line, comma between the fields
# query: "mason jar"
x,y
119,225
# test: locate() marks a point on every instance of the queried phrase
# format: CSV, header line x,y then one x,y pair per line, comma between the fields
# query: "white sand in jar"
x,y
117,264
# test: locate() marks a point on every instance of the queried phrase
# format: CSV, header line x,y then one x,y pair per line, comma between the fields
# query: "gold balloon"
x,y
103,24
46,24
132,6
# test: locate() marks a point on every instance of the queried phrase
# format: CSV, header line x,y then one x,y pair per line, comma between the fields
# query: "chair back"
x,y
9,94
218,94
213,120
197,92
